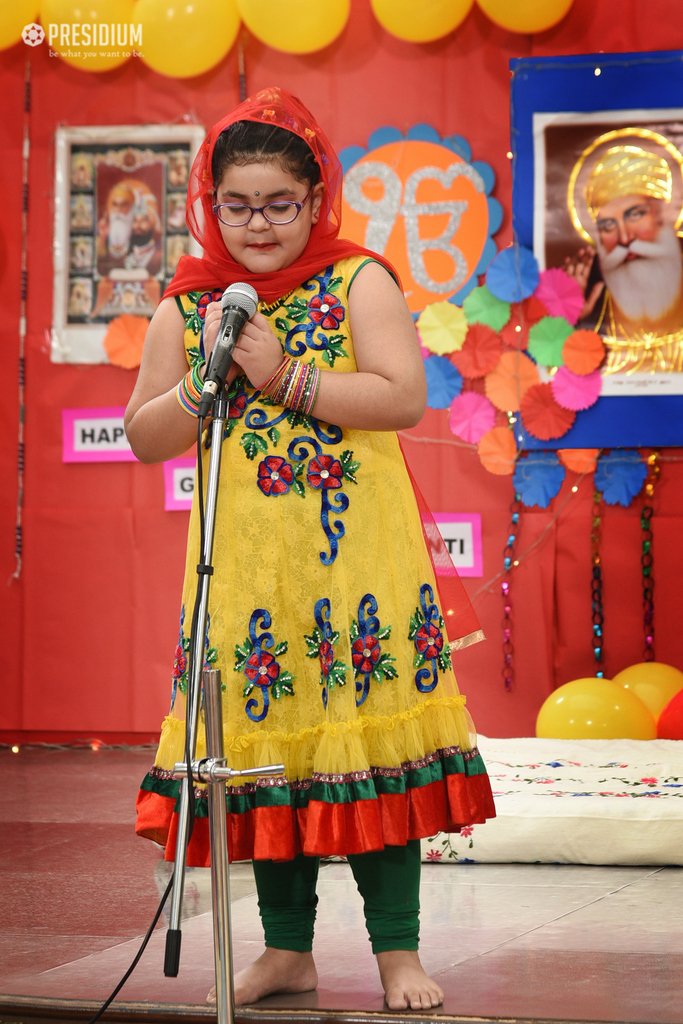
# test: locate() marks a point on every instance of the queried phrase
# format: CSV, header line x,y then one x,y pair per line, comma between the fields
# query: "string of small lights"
x,y
596,585
508,562
646,558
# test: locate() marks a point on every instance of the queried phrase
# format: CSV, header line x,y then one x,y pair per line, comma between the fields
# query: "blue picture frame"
x,y
576,84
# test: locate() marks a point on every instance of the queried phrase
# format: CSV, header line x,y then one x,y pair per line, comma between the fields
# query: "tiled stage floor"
x,y
523,942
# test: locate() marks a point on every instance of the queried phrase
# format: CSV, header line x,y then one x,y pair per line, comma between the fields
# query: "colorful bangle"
x,y
189,390
294,385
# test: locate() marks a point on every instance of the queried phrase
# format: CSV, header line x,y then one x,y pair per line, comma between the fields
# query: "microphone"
x,y
239,304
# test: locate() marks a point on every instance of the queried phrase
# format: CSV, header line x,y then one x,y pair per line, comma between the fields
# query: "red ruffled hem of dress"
x,y
326,829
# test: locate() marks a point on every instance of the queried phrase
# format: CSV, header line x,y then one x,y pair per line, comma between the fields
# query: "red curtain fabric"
x,y
90,627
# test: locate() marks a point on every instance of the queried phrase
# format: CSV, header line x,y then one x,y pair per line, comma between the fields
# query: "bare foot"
x,y
406,986
277,970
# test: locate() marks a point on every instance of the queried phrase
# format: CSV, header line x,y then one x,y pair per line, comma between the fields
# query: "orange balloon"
x,y
510,381
583,351
383,209
498,451
579,460
670,723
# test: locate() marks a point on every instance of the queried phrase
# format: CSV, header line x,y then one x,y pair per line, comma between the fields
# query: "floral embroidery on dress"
x,y
321,644
194,316
261,668
257,420
366,653
181,663
325,473
275,476
426,632
324,311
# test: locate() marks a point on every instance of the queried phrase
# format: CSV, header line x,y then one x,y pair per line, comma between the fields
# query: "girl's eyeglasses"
x,y
236,215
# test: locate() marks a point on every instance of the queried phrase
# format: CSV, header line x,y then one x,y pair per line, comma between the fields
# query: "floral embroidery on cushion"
x,y
321,644
369,661
260,667
426,632
275,476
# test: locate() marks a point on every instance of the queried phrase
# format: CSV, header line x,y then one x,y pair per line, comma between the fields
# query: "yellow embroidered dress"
x,y
324,620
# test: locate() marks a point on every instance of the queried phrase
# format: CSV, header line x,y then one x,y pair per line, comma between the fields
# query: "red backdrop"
x,y
90,626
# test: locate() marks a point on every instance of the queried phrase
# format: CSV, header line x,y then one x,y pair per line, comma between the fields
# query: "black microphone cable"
x,y
188,759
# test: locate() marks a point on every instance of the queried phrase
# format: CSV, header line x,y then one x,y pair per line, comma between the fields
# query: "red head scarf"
x,y
217,268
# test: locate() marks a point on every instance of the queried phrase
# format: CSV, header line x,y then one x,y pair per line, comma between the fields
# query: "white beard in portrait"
x,y
120,230
647,287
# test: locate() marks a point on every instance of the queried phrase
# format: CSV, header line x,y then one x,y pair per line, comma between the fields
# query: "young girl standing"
x,y
325,617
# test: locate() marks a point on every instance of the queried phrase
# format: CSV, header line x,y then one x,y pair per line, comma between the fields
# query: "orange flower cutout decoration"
x,y
510,380
124,339
583,352
542,416
481,350
579,460
498,451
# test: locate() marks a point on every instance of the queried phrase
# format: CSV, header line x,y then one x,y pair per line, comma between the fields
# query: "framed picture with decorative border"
x,y
119,230
598,191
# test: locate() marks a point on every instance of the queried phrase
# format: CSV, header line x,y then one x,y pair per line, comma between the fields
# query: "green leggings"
x,y
388,881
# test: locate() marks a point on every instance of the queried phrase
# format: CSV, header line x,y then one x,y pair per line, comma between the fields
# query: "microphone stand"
x,y
212,769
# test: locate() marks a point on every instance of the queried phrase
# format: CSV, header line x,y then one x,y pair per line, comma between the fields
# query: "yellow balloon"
x,y
421,21
298,26
595,709
653,682
525,15
182,39
93,35
14,17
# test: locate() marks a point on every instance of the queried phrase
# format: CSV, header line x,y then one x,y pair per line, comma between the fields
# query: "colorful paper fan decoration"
x,y
510,380
579,460
546,340
442,327
481,307
471,416
443,382
124,340
538,478
574,392
542,416
619,476
498,451
583,352
523,316
480,352
512,274
560,294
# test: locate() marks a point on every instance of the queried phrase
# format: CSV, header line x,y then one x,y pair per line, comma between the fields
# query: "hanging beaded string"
x,y
18,529
646,559
596,585
508,563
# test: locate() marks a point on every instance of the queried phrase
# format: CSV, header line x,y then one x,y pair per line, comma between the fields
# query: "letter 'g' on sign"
x,y
425,209
178,484
95,435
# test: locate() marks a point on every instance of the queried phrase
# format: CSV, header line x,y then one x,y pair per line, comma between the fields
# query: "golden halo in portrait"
x,y
576,202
